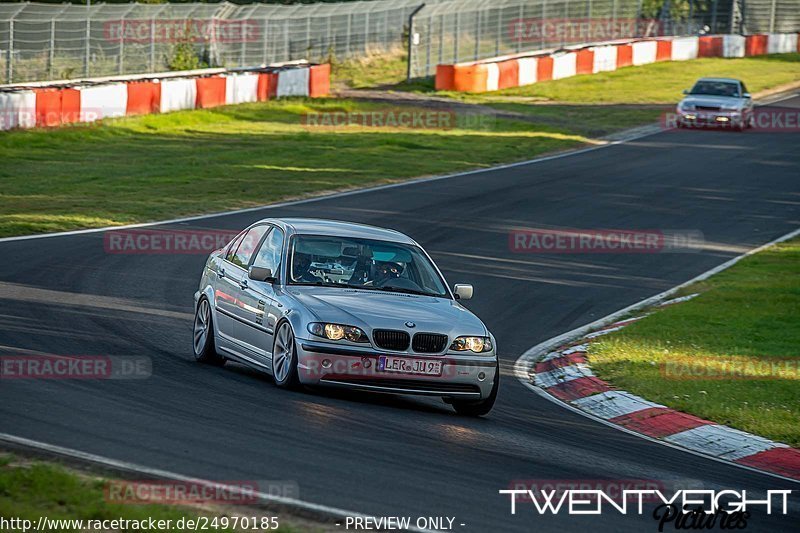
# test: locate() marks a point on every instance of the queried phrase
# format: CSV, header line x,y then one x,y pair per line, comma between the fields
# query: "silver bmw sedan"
x,y
716,102
321,302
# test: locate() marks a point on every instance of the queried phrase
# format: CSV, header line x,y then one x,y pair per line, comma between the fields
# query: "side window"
x,y
744,89
247,246
269,256
233,246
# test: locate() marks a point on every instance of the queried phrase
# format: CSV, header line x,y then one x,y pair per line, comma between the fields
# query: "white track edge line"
x,y
526,360
164,474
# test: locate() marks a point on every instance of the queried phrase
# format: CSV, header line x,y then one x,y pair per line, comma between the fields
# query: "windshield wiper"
x,y
407,291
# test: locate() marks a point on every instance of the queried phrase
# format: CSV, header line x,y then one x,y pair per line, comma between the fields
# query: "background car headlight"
x,y
337,332
475,344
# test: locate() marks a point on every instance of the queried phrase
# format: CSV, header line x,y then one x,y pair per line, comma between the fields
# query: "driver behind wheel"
x,y
301,269
387,271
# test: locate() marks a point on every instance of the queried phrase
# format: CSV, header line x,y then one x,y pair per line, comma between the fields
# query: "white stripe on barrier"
x,y
562,375
527,70
605,59
178,94
684,48
721,441
612,404
103,101
17,110
781,43
493,76
644,52
241,88
733,45
293,82
564,65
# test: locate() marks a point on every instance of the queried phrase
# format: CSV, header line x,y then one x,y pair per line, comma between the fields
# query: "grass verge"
x,y
729,355
33,489
163,166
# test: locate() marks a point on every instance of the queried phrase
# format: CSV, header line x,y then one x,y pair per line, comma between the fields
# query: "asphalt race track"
x,y
405,456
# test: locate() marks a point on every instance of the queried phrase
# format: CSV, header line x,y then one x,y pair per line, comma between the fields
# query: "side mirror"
x,y
261,274
462,291
746,95
686,91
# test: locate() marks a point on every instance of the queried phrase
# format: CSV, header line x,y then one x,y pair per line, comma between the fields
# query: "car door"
x,y
233,283
260,311
225,289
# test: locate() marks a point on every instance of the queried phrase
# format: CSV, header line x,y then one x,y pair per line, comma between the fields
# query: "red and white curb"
x,y
558,370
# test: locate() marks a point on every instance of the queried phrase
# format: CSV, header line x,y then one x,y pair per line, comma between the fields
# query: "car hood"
x,y
369,309
713,101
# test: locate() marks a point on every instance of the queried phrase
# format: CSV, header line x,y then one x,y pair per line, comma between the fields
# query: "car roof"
x,y
338,228
724,80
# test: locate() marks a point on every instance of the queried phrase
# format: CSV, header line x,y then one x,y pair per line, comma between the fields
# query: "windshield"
x,y
364,264
715,88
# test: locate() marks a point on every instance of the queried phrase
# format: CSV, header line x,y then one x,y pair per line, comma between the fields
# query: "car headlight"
x,y
336,332
475,344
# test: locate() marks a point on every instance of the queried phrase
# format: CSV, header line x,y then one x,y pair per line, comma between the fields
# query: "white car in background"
x,y
716,102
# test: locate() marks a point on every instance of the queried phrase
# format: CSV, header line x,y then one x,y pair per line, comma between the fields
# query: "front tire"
x,y
284,357
481,407
203,336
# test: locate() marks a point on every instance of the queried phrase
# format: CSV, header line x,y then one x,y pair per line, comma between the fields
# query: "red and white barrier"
x,y
103,101
605,58
500,73
241,88
564,65
527,70
17,110
733,45
89,100
644,52
293,82
684,48
781,43
178,94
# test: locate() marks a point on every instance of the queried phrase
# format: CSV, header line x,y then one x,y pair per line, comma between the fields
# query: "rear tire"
x,y
284,357
203,335
480,407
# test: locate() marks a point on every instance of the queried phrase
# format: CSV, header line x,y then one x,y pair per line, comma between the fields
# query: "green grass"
x,y
370,71
31,490
748,313
163,166
657,83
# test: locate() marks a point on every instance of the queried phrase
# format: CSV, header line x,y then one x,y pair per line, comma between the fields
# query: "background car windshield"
x,y
715,88
363,263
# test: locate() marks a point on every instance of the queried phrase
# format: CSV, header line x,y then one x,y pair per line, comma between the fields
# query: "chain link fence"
x,y
59,41
468,30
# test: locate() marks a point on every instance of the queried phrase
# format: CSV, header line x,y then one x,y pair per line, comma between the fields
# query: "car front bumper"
x,y
462,376
716,119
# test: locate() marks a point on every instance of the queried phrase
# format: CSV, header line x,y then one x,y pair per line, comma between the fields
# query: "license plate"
x,y
404,365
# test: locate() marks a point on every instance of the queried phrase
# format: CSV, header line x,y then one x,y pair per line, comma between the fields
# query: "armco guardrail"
x,y
532,67
67,102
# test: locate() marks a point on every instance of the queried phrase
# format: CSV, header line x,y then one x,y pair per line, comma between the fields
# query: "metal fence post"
x,y
347,41
520,24
714,6
455,40
52,52
266,40
87,47
152,44
10,52
772,17
499,31
478,35
366,31
411,49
